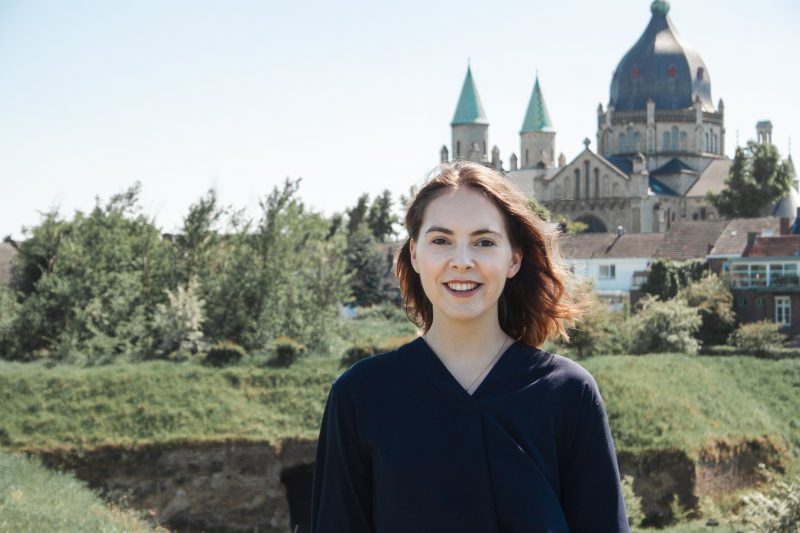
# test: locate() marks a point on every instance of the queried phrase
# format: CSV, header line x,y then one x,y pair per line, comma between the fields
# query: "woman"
x,y
470,427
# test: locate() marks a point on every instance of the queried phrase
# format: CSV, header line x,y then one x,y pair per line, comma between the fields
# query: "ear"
x,y
516,263
412,248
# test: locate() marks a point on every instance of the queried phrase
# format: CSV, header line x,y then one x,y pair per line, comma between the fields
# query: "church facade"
x,y
660,142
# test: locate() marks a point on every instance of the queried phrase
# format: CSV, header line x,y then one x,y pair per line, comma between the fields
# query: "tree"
x,y
86,286
758,178
664,326
368,266
381,219
565,225
358,213
713,299
665,277
600,332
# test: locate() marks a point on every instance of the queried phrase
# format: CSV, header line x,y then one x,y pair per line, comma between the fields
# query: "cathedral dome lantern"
x,y
661,66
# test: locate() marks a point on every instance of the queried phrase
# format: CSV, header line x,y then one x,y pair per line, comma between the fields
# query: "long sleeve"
x,y
341,500
590,485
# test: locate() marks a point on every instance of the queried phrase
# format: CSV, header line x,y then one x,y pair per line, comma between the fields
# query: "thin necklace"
x,y
470,389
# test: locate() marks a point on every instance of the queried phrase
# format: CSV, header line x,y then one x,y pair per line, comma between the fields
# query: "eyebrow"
x,y
446,231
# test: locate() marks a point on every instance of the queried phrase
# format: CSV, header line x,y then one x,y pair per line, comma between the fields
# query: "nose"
x,y
462,257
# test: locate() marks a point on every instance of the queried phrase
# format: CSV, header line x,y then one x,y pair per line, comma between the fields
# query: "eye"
x,y
486,242
439,240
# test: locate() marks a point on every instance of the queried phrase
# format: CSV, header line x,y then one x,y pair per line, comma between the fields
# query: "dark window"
x,y
700,73
586,179
597,183
458,148
577,184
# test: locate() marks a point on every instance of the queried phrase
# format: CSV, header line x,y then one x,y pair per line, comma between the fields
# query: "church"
x,y
660,142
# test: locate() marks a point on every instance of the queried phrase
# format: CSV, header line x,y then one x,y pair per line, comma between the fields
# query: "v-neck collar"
x,y
444,381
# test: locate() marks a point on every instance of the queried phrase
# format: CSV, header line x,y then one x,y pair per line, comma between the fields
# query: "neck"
x,y
471,340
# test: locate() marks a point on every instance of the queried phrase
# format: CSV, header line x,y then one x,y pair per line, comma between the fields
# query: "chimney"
x,y
784,226
752,236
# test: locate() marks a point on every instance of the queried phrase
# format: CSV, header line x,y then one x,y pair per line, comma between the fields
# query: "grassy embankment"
x,y
653,402
33,498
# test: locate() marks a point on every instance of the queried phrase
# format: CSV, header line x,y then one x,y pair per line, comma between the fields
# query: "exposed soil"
x,y
238,487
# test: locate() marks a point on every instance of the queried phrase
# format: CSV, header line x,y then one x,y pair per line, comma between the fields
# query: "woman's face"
x,y
463,255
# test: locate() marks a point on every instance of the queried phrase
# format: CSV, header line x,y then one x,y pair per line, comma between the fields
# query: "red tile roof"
x,y
779,246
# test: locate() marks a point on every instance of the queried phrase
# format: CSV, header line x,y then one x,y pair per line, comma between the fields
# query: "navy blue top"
x,y
404,448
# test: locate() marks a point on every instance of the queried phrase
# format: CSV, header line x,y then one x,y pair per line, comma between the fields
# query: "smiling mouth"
x,y
462,286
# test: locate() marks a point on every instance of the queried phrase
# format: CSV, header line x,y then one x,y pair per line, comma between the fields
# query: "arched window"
x,y
597,183
665,143
586,179
484,147
458,148
674,137
577,184
621,142
708,142
527,158
637,142
700,73
683,141
714,142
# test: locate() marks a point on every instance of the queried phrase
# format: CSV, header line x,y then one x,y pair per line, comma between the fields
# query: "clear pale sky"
x,y
350,96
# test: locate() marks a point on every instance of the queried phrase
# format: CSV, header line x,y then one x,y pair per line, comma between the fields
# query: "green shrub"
x,y
665,277
385,311
633,503
667,326
287,351
757,338
224,353
177,325
600,332
363,349
777,510
713,299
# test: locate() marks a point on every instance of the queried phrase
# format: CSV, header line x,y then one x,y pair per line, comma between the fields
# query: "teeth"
x,y
462,286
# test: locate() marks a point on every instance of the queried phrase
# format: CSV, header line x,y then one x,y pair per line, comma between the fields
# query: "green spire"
x,y
469,109
537,118
660,7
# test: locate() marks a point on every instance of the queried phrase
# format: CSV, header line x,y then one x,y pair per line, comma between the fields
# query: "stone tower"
x,y
537,137
470,125
764,132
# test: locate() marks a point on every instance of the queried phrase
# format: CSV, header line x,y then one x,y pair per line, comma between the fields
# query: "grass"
x,y
680,402
653,402
33,499
133,404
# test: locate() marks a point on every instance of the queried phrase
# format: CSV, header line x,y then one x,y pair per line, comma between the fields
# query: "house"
x,y
618,262
765,280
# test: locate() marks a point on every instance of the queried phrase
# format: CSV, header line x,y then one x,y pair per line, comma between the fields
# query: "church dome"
x,y
660,66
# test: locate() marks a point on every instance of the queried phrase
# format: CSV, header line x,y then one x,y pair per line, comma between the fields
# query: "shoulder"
x,y
566,377
375,370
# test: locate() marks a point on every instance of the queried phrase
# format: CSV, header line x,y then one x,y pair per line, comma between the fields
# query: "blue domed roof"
x,y
660,66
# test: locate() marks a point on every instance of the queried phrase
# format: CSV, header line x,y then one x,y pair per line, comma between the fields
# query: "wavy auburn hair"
x,y
536,304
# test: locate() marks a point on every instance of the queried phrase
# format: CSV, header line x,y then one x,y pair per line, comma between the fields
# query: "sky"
x,y
352,97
